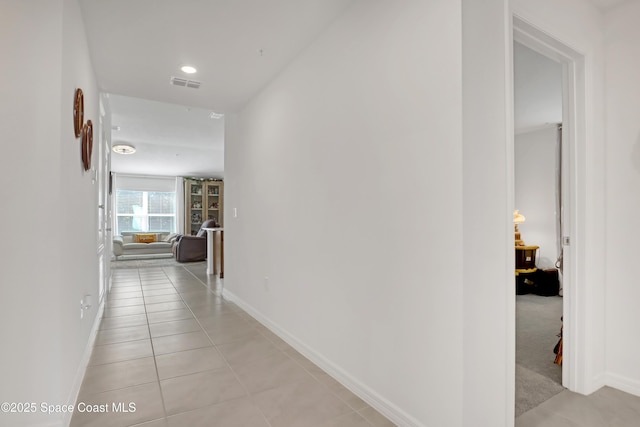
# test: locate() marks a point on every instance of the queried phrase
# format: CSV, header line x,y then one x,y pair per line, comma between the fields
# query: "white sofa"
x,y
125,244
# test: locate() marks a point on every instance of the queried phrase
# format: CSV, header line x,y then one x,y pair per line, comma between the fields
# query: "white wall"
x,y
48,215
622,43
78,201
487,247
346,173
30,129
537,89
579,25
536,191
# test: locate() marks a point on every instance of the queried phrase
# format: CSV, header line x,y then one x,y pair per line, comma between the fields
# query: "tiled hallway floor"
x,y
606,407
169,345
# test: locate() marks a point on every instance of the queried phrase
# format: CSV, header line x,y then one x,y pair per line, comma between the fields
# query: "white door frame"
x,y
573,132
104,200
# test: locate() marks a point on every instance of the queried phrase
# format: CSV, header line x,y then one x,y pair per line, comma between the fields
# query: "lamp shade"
x,y
518,218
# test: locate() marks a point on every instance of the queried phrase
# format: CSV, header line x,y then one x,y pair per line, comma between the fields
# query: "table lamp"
x,y
518,218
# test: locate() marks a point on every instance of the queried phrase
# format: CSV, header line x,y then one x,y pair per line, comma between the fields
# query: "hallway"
x,y
172,352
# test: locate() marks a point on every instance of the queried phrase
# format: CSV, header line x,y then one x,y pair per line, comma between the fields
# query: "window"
x,y
145,211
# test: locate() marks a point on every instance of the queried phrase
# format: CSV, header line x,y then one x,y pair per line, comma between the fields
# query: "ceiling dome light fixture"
x,y
188,69
124,149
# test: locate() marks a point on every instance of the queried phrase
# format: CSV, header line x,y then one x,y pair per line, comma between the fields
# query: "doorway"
x,y
538,200
104,219
551,178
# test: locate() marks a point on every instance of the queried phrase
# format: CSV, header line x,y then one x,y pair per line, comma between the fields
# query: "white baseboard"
x,y
622,383
379,403
596,384
82,367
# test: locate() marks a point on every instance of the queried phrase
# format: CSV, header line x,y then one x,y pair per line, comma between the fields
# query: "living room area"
x,y
165,183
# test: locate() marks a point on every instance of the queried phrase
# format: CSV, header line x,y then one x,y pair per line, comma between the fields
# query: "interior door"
x,y
104,203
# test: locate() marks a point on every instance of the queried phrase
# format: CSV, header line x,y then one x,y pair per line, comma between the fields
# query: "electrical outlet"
x,y
81,309
266,282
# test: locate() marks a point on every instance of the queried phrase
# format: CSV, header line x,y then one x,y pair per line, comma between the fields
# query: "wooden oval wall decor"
x,y
87,145
78,112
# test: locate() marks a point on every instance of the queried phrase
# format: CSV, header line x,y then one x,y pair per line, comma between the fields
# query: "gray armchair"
x,y
193,248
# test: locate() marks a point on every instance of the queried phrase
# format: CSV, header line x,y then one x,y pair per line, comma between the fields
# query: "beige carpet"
x,y
537,325
532,389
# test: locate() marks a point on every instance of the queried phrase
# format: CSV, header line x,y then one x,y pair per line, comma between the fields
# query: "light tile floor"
x,y
169,344
606,407
172,347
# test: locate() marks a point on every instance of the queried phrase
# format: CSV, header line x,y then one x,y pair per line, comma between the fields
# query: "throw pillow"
x,y
145,237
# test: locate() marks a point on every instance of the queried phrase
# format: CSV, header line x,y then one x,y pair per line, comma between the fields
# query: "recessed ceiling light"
x,y
188,69
123,149
215,115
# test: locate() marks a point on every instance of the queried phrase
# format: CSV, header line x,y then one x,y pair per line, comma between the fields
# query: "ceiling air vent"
x,y
179,81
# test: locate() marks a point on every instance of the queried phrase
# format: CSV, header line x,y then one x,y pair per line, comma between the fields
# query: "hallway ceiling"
x,y
170,139
236,46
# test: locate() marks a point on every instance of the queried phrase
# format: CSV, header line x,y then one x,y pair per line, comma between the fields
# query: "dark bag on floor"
x,y
546,282
524,285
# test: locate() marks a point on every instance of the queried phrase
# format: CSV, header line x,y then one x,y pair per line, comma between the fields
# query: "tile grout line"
x,y
209,338
357,411
155,362
235,374
180,293
288,356
102,364
117,361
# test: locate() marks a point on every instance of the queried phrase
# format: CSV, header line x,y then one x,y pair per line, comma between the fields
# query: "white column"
x,y
210,250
